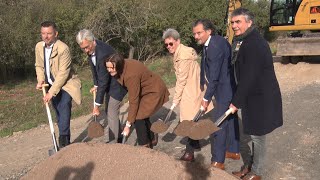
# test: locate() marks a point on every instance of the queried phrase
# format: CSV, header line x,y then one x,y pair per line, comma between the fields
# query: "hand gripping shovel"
x,y
160,125
183,128
55,149
204,128
95,129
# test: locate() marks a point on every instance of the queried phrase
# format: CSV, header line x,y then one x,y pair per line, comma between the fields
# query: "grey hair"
x,y
170,32
249,16
84,34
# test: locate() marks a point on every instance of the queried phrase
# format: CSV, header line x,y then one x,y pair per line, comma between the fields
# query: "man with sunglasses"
x,y
104,84
217,75
188,94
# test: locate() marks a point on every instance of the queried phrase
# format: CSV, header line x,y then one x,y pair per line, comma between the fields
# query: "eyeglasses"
x,y
168,44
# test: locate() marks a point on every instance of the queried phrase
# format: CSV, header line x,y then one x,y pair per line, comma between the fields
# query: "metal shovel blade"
x,y
183,128
204,128
160,126
95,129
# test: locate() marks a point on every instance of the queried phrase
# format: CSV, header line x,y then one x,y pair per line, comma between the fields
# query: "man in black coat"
x,y
104,84
258,93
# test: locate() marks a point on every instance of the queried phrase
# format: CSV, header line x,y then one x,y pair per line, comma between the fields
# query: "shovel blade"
x,y
159,126
183,128
202,129
95,129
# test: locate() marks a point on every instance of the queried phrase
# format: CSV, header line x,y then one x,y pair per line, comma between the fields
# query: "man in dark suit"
x,y
97,51
258,93
215,73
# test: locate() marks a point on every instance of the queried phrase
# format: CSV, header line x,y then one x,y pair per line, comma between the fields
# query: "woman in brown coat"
x,y
147,93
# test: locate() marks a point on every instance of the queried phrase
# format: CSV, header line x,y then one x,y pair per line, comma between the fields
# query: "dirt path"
x,y
294,148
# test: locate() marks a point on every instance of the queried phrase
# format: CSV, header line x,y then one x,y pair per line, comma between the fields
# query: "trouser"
x,y
62,105
192,145
219,139
112,111
258,153
144,134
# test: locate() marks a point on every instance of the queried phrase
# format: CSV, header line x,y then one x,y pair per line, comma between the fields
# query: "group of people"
x,y
236,76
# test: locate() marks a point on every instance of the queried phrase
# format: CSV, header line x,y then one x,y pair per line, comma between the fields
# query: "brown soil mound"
x,y
159,127
202,129
117,161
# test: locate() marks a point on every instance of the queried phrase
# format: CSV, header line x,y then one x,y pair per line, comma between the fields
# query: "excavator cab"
x,y
290,15
302,19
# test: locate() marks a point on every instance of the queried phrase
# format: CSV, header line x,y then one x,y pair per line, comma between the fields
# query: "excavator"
x,y
301,17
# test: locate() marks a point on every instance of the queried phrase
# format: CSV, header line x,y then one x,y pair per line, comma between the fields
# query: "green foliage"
x,y
132,27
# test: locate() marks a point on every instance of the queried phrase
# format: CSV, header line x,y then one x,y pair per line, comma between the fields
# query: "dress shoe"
x,y
217,165
234,156
251,176
244,171
189,157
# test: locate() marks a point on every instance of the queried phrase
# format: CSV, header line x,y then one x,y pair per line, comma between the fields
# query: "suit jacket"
x,y
101,77
216,69
147,91
60,68
187,90
258,93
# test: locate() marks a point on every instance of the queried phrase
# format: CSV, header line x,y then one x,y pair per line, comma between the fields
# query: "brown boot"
x,y
244,171
234,156
217,165
189,157
251,176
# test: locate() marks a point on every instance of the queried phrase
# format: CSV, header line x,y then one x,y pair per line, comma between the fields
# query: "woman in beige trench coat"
x,y
188,93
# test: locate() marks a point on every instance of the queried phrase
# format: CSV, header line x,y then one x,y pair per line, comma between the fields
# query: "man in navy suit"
x,y
216,74
104,84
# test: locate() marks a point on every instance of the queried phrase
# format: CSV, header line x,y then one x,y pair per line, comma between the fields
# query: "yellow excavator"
x,y
291,15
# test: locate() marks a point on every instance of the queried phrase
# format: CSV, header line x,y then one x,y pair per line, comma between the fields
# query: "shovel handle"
x,y
223,117
124,139
198,115
168,116
50,118
94,98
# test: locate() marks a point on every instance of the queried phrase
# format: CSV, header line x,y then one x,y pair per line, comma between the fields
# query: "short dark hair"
x,y
117,60
207,24
249,16
49,24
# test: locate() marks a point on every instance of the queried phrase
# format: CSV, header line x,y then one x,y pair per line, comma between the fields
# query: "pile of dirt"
x,y
117,161
292,77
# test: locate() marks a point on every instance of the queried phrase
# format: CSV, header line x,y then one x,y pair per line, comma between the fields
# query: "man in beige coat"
x,y
53,67
188,94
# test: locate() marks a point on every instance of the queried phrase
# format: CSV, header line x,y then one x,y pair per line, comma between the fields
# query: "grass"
x,y
22,107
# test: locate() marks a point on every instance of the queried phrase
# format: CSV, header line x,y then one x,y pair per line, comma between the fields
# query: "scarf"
x,y
236,43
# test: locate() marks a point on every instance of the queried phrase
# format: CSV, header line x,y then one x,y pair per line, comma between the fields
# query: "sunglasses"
x,y
170,44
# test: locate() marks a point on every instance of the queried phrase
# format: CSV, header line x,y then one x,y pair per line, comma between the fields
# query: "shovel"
x,y
95,129
160,125
55,149
204,128
183,128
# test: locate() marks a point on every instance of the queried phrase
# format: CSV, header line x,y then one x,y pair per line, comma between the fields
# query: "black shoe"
x,y
64,140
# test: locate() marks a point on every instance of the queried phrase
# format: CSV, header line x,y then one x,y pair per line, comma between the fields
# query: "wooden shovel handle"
x,y
44,89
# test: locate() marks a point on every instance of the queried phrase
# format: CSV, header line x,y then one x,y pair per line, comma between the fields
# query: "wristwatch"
x,y
128,124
